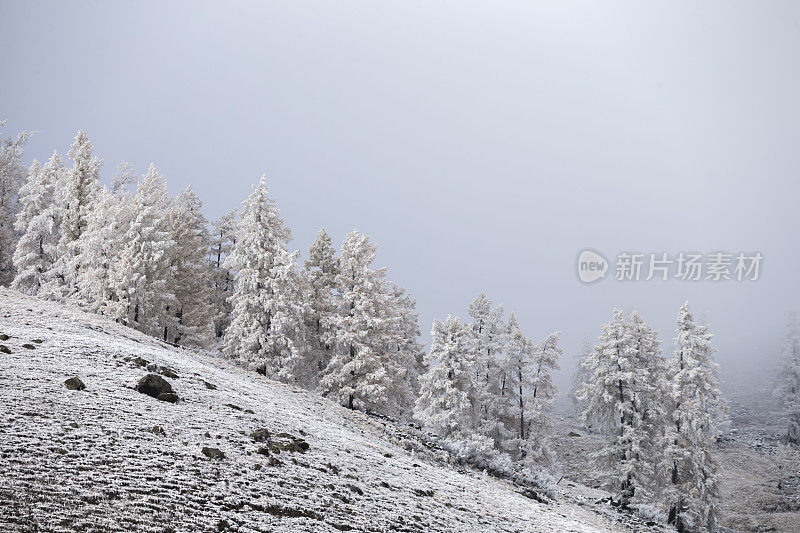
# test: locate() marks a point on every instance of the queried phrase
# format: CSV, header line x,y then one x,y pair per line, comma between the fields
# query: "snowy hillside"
x,y
111,458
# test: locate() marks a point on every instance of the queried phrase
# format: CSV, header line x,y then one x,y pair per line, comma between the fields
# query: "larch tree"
x,y
103,242
580,376
788,383
364,372
267,311
143,274
193,311
37,222
223,238
611,398
407,348
488,333
321,270
449,393
542,396
12,177
516,390
693,488
77,194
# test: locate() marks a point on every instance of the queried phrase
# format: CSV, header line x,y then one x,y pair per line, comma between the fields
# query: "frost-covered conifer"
x,y
321,269
12,176
143,274
788,389
448,396
77,194
618,373
580,376
223,238
193,312
693,487
489,338
38,224
268,310
103,242
542,396
364,371
516,390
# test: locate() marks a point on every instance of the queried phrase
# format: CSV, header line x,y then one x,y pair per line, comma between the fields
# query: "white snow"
x,y
88,460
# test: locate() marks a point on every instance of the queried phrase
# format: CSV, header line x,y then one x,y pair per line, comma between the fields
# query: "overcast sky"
x,y
482,145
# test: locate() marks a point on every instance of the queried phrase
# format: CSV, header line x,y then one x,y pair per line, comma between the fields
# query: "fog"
x,y
482,145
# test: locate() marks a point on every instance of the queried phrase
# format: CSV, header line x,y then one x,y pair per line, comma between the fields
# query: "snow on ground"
x,y
109,458
760,474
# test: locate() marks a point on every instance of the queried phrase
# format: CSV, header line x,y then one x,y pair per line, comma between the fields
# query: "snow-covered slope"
x,y
109,458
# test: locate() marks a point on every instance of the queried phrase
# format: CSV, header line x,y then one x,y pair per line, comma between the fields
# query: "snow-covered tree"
x,y
409,352
619,373
364,371
38,224
102,244
489,338
788,389
143,274
77,194
449,393
516,389
321,269
689,464
223,238
193,312
268,310
542,396
12,176
580,375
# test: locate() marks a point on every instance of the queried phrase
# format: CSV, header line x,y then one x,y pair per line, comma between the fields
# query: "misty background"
x,y
482,145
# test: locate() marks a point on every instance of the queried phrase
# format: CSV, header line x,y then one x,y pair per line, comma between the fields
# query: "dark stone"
x,y
37,341
141,362
262,450
355,489
170,397
29,346
168,372
213,453
208,385
153,385
533,495
234,407
426,493
385,485
158,430
274,461
74,383
4,337
4,349
572,434
260,435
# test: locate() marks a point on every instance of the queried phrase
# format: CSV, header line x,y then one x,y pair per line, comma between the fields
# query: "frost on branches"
x,y
366,370
617,397
788,389
267,312
38,223
223,237
449,395
690,435
77,194
12,176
